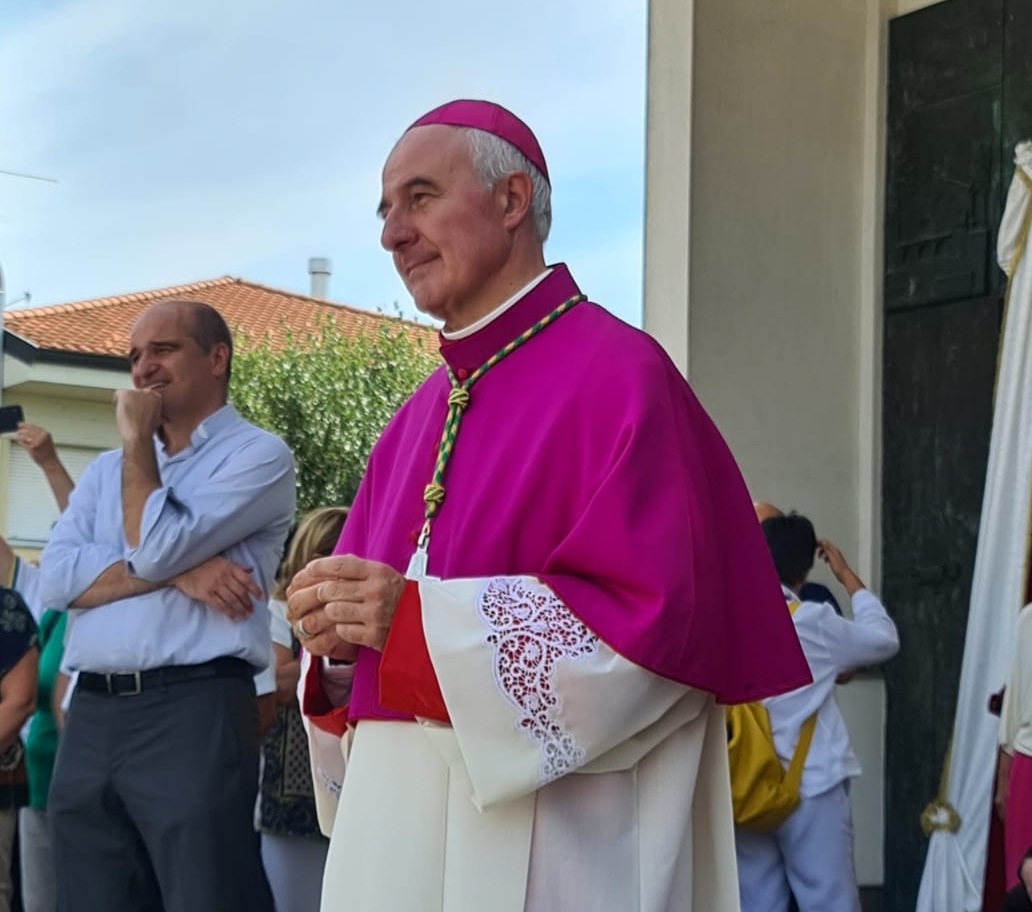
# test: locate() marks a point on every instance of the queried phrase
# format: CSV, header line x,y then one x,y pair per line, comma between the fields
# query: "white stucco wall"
x,y
71,421
902,7
764,188
862,702
776,191
75,405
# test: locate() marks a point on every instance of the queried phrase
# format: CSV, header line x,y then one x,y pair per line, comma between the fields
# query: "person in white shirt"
x,y
810,855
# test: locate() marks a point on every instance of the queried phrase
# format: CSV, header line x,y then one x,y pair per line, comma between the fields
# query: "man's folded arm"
x,y
247,493
114,583
71,561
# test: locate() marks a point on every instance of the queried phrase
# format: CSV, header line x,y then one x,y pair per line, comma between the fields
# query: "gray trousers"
x,y
38,880
294,866
152,800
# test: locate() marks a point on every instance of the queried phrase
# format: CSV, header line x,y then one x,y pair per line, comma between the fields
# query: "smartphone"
x,y
10,417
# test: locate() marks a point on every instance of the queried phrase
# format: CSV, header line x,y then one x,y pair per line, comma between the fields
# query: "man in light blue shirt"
x,y
166,553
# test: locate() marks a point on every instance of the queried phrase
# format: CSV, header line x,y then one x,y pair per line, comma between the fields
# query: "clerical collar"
x,y
548,292
497,312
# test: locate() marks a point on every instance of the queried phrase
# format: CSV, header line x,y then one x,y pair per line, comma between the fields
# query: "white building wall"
x,y
71,421
777,194
764,188
75,405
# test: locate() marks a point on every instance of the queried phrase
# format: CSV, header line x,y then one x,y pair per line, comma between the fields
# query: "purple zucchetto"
x,y
491,118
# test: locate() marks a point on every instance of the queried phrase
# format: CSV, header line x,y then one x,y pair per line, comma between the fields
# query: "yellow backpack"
x,y
763,792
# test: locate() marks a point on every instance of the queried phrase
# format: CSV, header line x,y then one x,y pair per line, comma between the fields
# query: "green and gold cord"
x,y
458,402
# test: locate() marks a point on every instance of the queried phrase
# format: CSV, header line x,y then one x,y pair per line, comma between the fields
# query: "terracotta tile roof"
x,y
101,326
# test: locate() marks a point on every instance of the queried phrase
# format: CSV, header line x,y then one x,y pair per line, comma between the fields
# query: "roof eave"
x,y
29,353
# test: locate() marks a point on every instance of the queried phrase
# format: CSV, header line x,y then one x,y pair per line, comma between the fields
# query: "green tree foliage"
x,y
328,397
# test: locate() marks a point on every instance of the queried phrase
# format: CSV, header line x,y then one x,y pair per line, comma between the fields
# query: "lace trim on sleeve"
x,y
532,630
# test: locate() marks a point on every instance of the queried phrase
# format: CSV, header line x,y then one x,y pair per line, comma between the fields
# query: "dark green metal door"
x,y
960,97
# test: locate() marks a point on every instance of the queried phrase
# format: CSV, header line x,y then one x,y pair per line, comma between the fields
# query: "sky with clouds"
x,y
193,139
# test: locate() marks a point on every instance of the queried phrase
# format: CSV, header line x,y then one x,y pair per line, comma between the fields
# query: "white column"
x,y
668,159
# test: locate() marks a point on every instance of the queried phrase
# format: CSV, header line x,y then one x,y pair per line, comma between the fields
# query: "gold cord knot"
x,y
433,493
458,397
940,817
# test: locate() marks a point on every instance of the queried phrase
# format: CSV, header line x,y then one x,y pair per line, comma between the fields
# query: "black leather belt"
x,y
130,683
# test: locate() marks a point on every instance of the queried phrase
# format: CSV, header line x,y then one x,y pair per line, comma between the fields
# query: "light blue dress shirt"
x,y
230,492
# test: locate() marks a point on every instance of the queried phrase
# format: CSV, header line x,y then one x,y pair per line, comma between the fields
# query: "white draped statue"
x,y
958,819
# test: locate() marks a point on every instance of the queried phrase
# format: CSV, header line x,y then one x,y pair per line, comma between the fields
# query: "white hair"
x,y
493,158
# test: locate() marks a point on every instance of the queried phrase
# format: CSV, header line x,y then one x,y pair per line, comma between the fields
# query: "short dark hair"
x,y
207,328
793,544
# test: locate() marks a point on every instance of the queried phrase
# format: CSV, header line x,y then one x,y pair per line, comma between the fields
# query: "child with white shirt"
x,y
810,855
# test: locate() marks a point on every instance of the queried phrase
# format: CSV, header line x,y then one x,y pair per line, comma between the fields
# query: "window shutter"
x,y
31,508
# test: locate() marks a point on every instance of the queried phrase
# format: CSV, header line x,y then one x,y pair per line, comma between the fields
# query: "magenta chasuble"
x,y
585,460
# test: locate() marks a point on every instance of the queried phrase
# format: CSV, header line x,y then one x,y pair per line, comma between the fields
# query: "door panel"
x,y
944,51
942,200
959,91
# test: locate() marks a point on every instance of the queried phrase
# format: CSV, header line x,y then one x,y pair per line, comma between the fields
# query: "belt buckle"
x,y
135,675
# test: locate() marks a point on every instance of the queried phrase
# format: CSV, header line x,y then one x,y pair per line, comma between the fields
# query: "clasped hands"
x,y
343,602
340,602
